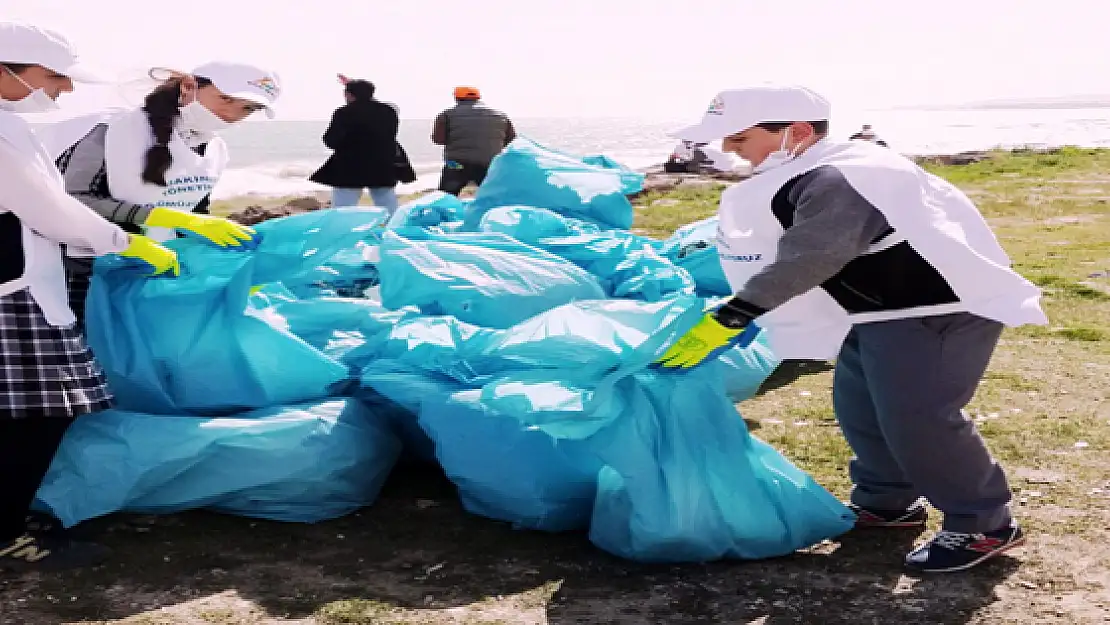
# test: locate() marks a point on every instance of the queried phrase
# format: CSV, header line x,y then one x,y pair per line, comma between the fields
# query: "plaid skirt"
x,y
45,371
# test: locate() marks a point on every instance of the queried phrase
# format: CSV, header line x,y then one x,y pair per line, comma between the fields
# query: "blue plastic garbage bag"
x,y
184,345
486,279
627,265
328,252
303,463
693,247
739,363
528,174
561,419
433,209
347,330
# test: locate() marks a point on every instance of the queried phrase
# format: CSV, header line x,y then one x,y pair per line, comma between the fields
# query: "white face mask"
x,y
778,157
35,102
197,118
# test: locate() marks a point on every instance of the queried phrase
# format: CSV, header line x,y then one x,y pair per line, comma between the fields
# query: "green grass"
x,y
660,213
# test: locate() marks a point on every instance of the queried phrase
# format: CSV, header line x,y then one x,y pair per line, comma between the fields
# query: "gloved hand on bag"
x,y
710,338
160,258
222,232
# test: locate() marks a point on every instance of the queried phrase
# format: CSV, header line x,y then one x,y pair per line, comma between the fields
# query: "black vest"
x,y
895,278
12,262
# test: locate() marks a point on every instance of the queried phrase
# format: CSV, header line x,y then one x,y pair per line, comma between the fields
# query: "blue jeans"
x,y
383,197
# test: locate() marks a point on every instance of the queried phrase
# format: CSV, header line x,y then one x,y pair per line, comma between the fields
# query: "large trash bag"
x,y
348,330
303,463
693,247
328,252
354,332
627,265
562,418
739,363
433,209
528,174
490,280
184,345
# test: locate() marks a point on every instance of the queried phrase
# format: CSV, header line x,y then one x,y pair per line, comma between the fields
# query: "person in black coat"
x,y
366,154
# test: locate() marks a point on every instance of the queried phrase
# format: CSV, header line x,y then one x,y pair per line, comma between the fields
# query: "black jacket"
x,y
363,136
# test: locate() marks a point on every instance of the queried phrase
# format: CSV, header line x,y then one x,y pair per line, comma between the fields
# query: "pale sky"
x,y
629,58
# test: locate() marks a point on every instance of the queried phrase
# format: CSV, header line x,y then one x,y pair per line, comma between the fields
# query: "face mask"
x,y
778,157
35,102
197,118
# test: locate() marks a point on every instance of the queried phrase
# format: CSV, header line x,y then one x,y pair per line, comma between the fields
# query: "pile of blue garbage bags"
x,y
509,338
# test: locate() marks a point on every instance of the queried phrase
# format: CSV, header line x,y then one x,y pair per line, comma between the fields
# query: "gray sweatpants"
x,y
899,391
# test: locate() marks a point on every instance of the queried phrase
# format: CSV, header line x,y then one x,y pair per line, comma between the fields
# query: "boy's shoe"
x,y
949,552
914,516
48,552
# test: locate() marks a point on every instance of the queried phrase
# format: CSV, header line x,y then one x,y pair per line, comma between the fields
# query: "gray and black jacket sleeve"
x,y
85,175
832,225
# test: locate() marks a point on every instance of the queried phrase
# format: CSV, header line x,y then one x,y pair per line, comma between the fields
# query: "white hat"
x,y
30,45
737,110
247,82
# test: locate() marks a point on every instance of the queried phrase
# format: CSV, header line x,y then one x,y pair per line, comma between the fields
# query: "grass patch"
x,y
659,213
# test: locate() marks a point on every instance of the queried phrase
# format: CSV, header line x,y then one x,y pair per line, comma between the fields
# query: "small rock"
x,y
805,394
1082,445
1039,476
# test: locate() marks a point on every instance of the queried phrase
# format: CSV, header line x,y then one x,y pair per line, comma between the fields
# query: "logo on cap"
x,y
266,84
717,106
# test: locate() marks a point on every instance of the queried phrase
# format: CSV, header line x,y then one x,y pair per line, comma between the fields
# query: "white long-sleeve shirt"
x,y
32,189
43,205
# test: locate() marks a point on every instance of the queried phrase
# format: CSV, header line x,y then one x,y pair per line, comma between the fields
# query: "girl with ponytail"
x,y
152,169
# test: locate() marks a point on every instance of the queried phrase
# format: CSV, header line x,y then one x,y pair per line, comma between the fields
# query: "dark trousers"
x,y
27,447
899,391
456,176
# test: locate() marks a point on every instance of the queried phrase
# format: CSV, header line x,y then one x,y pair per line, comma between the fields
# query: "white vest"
x,y
189,179
43,275
937,220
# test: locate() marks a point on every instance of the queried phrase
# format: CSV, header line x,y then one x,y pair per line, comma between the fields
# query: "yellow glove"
x,y
160,258
707,336
222,232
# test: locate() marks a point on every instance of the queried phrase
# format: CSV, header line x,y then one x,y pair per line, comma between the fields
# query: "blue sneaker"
x,y
950,552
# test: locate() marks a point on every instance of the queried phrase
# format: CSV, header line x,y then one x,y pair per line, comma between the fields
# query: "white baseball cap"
x,y
240,80
31,45
736,110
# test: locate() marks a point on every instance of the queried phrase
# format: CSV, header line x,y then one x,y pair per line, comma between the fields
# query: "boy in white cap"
x,y
47,375
850,250
152,168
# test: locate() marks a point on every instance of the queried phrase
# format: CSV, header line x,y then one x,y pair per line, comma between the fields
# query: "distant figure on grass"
x,y
366,154
471,134
689,157
867,134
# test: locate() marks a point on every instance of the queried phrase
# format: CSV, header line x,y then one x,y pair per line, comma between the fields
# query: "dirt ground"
x,y
416,557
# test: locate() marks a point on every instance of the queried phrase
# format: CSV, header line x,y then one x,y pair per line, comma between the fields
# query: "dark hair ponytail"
x,y
162,107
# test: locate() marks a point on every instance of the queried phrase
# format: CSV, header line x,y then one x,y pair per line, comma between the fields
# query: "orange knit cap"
x,y
467,93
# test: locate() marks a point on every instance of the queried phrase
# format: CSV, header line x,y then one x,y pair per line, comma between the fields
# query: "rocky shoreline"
x,y
656,181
